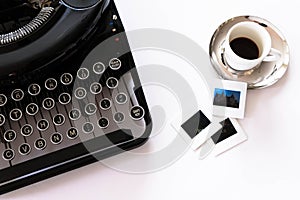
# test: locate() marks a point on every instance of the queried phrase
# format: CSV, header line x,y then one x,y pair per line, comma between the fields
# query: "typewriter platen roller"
x,y
70,94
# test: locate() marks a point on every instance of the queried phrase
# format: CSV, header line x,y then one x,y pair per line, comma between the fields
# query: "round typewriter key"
x,y
26,130
24,149
98,68
83,73
121,98
74,114
137,112
17,95
48,103
40,144
8,154
15,114
32,109
115,64
34,89
112,83
42,125
64,98
72,133
66,79
58,119
10,135
96,88
88,127
2,120
80,93
119,117
3,100
50,84
105,104
103,122
90,109
56,138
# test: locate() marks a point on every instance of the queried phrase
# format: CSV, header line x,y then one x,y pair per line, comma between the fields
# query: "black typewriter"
x,y
70,94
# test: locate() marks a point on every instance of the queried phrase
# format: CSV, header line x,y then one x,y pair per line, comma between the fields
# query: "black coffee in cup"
x,y
245,48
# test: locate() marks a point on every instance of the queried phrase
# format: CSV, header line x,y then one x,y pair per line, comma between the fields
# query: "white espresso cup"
x,y
247,45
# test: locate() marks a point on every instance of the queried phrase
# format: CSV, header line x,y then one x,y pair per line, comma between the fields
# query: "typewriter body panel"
x,y
70,94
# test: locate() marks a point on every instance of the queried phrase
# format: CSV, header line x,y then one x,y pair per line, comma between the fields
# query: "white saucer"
x,y
263,76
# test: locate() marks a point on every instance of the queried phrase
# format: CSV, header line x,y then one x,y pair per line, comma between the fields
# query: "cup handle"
x,y
274,55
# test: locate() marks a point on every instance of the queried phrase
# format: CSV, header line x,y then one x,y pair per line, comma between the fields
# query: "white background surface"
x,y
265,167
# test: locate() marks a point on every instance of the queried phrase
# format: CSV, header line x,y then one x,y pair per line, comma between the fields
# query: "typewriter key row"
x,y
56,138
136,113
66,79
32,109
35,89
99,68
39,144
114,64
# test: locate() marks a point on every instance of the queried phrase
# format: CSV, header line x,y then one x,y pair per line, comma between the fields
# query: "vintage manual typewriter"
x,y
69,90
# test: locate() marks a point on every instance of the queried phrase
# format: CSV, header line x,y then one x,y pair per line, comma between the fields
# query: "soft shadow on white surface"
x,y
47,187
265,167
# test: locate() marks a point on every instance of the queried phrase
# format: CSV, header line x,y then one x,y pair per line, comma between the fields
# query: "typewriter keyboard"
x,y
66,109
